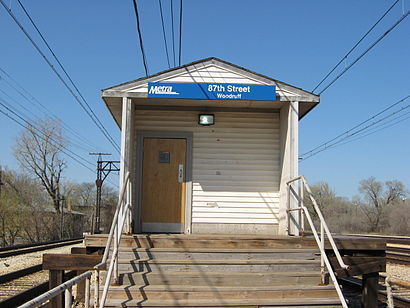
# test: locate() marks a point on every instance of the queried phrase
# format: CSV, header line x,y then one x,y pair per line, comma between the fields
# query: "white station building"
x,y
209,147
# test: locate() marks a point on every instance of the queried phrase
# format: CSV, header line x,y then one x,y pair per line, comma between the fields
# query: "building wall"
x,y
236,168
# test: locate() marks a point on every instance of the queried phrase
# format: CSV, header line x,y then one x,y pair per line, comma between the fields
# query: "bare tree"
x,y
82,198
378,197
24,212
340,214
324,197
11,217
399,218
38,149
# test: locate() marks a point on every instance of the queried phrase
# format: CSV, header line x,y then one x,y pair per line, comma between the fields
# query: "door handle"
x,y
181,173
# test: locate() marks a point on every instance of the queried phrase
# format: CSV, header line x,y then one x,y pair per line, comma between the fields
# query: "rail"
x,y
386,295
118,222
65,287
22,249
389,282
324,230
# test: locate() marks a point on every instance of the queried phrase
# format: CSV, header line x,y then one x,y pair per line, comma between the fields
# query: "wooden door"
x,y
163,185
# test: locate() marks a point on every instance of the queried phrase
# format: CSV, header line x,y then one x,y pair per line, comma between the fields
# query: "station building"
x,y
209,150
209,147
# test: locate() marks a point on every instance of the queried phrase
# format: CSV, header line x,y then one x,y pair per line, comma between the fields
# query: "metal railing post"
x,y
87,292
115,256
68,297
302,217
389,292
300,204
288,208
128,223
322,260
96,288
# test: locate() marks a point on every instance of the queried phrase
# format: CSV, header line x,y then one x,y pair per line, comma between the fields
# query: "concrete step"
x,y
225,293
212,254
255,266
220,278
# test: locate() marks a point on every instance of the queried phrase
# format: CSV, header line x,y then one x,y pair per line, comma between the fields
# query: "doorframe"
x,y
188,136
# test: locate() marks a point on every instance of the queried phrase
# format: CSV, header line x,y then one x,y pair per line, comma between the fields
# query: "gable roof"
x,y
211,70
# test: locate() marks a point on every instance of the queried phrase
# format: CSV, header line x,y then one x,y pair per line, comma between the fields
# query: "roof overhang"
x,y
208,70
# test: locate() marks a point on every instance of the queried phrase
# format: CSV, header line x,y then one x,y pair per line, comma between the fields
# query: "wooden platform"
x,y
364,255
214,270
347,243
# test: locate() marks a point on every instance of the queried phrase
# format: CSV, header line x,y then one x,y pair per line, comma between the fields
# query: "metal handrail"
x,y
117,226
389,292
65,287
324,260
321,218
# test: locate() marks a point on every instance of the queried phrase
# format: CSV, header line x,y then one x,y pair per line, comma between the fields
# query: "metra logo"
x,y
162,90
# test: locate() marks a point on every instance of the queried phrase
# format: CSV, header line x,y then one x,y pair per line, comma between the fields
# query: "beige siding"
x,y
235,164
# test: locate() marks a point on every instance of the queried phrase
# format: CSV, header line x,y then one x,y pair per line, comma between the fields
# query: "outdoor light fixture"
x,y
206,119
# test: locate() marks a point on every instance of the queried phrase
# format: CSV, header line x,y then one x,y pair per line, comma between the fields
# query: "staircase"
x,y
218,271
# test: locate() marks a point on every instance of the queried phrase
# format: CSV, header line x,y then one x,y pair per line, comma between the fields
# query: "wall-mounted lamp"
x,y
206,119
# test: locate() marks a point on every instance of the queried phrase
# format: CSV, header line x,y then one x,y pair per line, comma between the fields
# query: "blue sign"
x,y
220,91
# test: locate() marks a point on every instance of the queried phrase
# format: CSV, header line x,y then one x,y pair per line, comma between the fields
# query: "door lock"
x,y
181,173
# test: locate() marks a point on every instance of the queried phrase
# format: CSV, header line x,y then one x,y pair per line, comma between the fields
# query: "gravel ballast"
x,y
11,264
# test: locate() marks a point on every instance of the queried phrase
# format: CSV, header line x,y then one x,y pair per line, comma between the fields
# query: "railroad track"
x,y
19,291
398,247
22,249
25,284
401,295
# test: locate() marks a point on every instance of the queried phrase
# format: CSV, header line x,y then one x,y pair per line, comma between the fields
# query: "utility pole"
x,y
62,201
104,167
3,226
1,178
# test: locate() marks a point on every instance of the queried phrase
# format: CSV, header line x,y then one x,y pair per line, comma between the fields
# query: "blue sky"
x,y
297,42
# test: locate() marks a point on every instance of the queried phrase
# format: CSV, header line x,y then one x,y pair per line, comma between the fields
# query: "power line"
x,y
36,118
163,32
74,156
16,102
173,31
32,100
350,133
361,136
21,87
95,120
144,60
358,125
354,47
13,119
32,125
65,71
366,51
73,132
377,129
180,32
43,138
101,126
